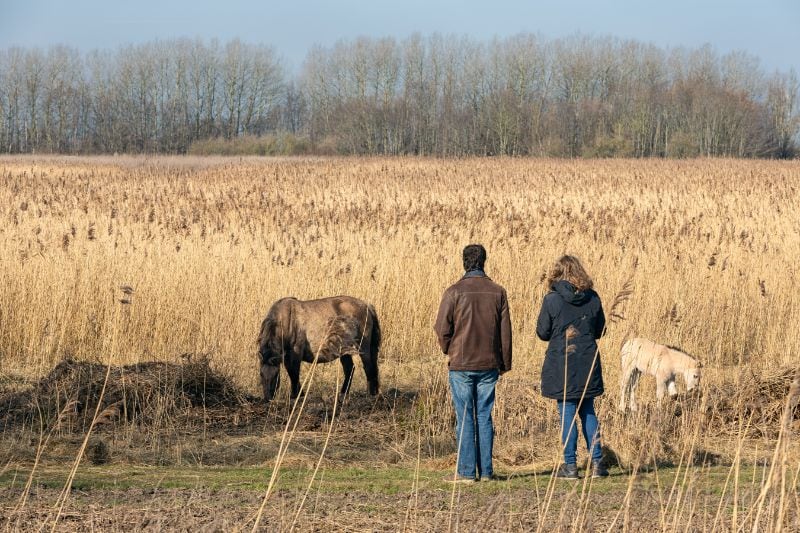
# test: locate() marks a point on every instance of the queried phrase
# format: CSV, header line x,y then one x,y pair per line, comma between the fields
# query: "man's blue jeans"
x,y
569,429
473,399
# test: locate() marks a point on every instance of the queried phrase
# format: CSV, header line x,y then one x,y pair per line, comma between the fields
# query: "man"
x,y
474,330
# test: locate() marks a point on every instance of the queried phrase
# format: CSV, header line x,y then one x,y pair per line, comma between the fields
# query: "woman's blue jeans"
x,y
569,429
473,399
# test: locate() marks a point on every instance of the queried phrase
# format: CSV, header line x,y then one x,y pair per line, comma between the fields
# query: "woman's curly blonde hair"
x,y
569,268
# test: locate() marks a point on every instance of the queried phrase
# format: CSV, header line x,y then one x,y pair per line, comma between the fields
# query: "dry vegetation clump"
x,y
146,394
755,400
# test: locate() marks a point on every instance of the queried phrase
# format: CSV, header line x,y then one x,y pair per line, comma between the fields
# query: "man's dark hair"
x,y
474,257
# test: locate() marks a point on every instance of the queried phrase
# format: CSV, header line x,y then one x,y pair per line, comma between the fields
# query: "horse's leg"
x,y
370,362
292,363
347,366
661,387
624,387
671,387
632,385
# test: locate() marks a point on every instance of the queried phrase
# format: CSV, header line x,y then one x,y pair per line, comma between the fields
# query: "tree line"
x,y
434,95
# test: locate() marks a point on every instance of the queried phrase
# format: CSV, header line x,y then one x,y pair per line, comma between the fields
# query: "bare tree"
x,y
438,95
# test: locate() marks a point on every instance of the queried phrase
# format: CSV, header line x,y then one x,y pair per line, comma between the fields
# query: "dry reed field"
x,y
133,289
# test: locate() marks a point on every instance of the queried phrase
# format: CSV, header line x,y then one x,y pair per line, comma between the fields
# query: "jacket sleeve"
x,y
505,332
600,321
444,322
544,325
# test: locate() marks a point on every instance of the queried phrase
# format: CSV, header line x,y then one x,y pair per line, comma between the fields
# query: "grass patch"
x,y
388,481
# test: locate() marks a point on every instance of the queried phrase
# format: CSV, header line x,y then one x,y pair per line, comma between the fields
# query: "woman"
x,y
571,320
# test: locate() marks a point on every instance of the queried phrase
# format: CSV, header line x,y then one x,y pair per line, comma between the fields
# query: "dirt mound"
x,y
754,401
149,393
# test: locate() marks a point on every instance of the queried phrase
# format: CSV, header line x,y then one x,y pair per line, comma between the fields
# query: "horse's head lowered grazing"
x,y
270,355
318,331
691,375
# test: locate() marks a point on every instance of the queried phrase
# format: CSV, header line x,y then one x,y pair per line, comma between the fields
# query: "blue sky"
x,y
769,29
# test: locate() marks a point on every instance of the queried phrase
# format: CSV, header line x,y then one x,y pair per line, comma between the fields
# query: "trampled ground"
x,y
369,499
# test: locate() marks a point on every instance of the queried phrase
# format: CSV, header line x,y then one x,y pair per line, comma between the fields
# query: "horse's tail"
x,y
629,334
626,353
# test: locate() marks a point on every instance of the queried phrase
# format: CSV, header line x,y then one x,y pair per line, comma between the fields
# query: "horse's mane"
x,y
267,328
270,345
277,316
690,361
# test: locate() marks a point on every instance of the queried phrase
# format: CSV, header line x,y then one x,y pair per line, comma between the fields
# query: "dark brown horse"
x,y
322,330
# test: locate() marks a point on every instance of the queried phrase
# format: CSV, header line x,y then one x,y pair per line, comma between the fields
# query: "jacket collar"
x,y
477,273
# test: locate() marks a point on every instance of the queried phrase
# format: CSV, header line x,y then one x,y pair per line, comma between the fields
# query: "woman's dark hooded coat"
x,y
562,307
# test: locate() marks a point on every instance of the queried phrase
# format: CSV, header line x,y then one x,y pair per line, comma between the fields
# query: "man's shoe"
x,y
567,471
598,469
455,478
487,478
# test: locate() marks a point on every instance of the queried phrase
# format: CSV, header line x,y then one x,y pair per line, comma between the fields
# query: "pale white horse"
x,y
664,362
